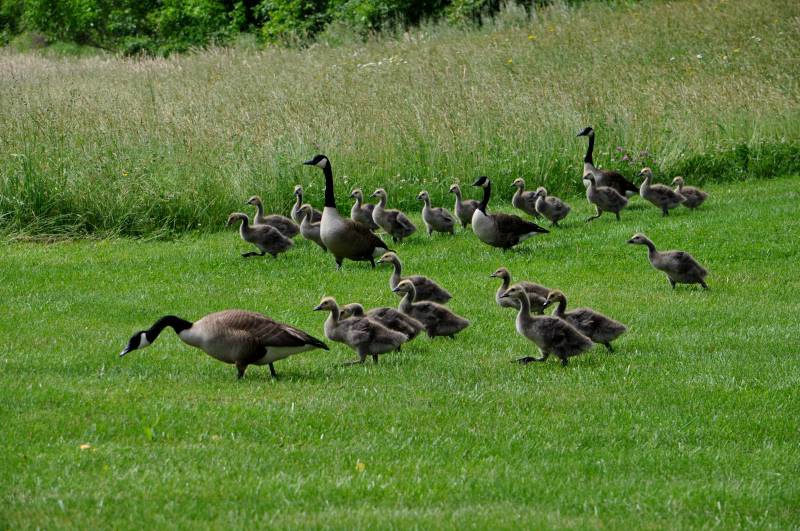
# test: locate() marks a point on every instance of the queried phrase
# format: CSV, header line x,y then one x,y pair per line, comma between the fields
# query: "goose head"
x,y
327,303
501,272
255,200
553,297
236,216
353,309
519,183
405,286
482,181
379,193
586,131
639,239
298,190
318,160
388,258
138,341
454,189
423,196
540,192
357,194
677,181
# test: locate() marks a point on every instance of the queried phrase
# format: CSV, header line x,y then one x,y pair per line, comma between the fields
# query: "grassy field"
x,y
691,423
708,89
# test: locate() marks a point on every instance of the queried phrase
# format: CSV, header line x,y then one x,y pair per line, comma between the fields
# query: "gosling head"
x,y
678,181
405,286
379,193
589,177
482,181
319,160
586,131
423,196
327,303
305,211
553,297
639,239
255,201
646,172
519,183
236,216
454,189
501,272
357,194
388,258
540,192
298,190
353,309
514,292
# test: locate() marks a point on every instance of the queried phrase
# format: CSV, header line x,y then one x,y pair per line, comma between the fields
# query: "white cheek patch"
x,y
143,342
323,163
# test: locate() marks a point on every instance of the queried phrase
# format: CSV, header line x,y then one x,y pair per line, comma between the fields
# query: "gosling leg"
x,y
618,218
703,283
529,359
359,361
609,347
597,215
564,361
671,282
251,253
272,370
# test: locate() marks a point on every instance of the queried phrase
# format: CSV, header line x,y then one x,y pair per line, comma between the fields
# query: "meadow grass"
x,y
708,89
691,423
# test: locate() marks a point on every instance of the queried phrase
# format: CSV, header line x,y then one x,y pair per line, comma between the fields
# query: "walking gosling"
x,y
426,288
362,212
537,294
550,206
660,195
592,324
267,238
437,219
389,317
391,220
316,215
286,226
463,209
308,229
679,266
693,197
437,319
551,334
604,199
362,334
525,201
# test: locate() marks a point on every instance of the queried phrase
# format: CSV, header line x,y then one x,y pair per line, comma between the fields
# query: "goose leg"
x,y
375,358
618,218
339,263
272,370
703,283
240,368
664,211
564,361
372,262
529,359
609,347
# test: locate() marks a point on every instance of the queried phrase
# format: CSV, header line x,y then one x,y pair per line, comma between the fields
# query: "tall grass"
x,y
707,89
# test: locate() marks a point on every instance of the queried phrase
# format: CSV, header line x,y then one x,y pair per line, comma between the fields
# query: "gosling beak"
x,y
396,289
630,241
492,276
374,194
547,303
317,308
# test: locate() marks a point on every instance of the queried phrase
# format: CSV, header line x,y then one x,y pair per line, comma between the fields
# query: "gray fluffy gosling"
x,y
426,288
604,199
308,229
537,294
391,220
389,317
287,227
436,218
551,207
238,337
316,215
680,267
693,197
551,334
592,324
362,212
437,319
660,195
525,201
267,238
463,208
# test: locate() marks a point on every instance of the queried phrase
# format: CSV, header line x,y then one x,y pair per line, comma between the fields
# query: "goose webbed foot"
x,y
530,359
251,253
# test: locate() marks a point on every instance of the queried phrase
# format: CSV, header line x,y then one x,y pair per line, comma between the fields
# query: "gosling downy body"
x,y
604,199
344,237
394,222
308,229
267,238
425,288
238,337
436,218
524,200
551,334
316,215
551,207
592,324
608,178
437,319
389,317
286,226
464,208
362,212
661,196
679,266
500,230
537,294
692,197
364,335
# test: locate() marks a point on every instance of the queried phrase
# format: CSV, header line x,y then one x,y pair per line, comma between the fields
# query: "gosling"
x,y
551,207
436,218
693,197
592,324
604,199
437,319
310,230
679,266
388,317
661,196
267,238
427,289
286,226
537,294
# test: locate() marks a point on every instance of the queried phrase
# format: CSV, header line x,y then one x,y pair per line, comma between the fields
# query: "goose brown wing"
x,y
510,224
362,232
265,331
618,182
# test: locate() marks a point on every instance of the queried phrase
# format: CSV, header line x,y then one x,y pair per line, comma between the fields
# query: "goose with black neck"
x,y
500,230
609,178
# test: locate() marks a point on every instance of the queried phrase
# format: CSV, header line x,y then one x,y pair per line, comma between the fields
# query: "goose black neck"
x,y
330,198
487,192
176,323
588,157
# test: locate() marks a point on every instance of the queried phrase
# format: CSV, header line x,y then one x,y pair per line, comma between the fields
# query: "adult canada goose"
x,y
679,266
524,200
592,324
287,227
550,206
435,218
362,212
604,199
308,229
500,230
389,317
608,178
233,336
463,209
344,237
316,215
437,319
362,334
537,294
551,334
391,220
426,289
267,238
693,197
660,195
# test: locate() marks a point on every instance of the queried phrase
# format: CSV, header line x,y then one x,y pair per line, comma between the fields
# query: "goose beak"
x,y
124,351
309,162
476,182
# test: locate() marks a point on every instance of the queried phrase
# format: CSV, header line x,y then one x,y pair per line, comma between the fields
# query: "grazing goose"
x,y
660,195
525,201
362,334
362,212
344,237
437,319
537,294
308,229
436,218
267,238
316,215
464,209
550,206
233,336
500,230
680,267
608,178
604,199
388,317
551,334
693,197
592,324
287,227
391,220
426,289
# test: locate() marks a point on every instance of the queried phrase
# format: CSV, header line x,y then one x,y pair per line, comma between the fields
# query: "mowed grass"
x,y
707,89
691,423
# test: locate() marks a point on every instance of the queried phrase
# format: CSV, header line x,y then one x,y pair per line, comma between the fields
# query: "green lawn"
x,y
691,423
